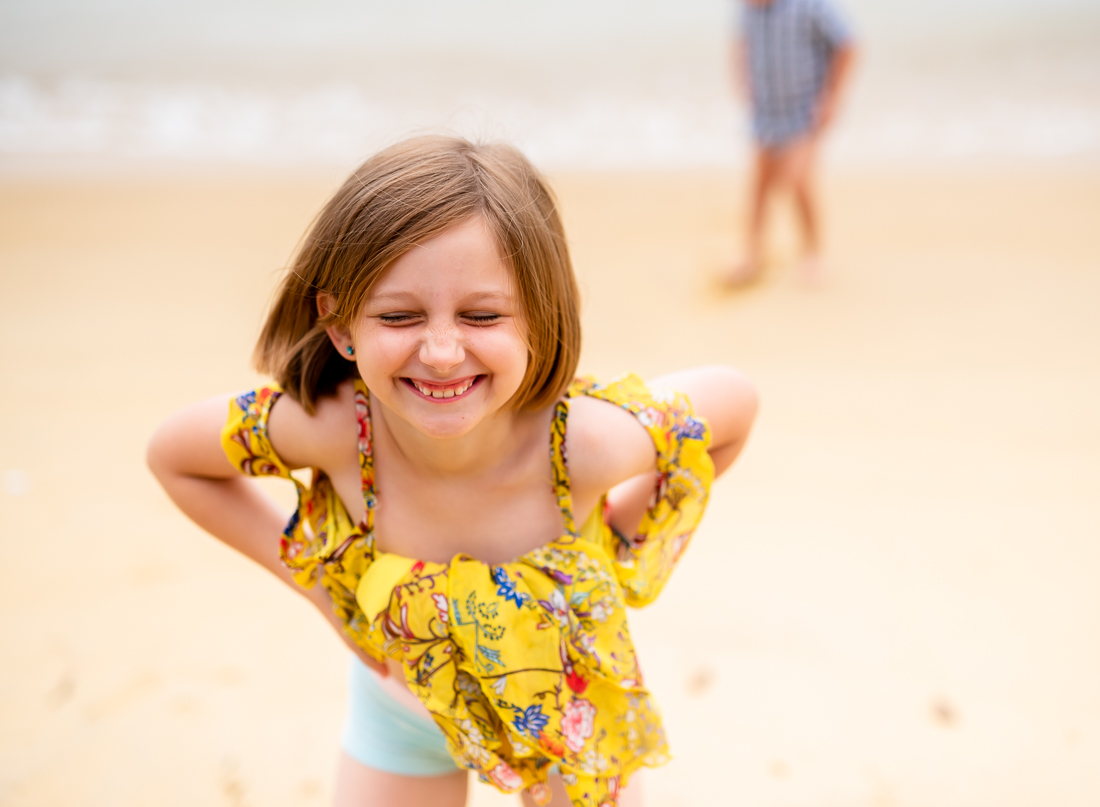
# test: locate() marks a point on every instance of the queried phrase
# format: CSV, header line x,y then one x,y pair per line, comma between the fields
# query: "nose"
x,y
442,348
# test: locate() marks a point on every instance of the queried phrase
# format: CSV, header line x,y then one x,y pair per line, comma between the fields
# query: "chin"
x,y
446,427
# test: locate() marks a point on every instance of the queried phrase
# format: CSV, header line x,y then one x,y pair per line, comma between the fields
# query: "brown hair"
x,y
405,195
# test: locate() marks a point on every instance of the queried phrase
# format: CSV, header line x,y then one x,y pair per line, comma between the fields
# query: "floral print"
x,y
577,721
523,665
507,588
505,778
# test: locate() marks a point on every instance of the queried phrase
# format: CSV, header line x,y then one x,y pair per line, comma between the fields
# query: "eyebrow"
x,y
472,297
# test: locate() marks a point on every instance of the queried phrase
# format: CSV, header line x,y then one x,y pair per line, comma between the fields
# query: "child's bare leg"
x,y
801,167
765,175
360,786
763,182
630,796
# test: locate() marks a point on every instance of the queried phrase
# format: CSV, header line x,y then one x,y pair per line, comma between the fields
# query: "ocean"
x,y
596,84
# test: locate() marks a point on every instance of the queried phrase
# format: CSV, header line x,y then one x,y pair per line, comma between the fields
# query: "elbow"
x,y
743,399
741,405
156,455
188,444
162,454
752,405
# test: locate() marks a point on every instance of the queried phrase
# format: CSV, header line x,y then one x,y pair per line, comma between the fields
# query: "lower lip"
x,y
453,399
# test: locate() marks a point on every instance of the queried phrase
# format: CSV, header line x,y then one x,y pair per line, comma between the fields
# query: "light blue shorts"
x,y
382,734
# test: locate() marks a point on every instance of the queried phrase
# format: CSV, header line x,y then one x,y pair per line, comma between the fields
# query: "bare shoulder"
x,y
323,439
605,445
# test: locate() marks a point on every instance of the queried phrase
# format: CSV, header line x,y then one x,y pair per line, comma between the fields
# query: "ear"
x,y
338,333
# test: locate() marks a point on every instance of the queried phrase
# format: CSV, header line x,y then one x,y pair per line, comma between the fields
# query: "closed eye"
x,y
399,318
481,319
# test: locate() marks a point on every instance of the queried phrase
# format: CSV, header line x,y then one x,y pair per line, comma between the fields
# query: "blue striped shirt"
x,y
789,47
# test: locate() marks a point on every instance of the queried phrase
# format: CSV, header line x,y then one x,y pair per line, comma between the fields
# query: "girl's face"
x,y
440,339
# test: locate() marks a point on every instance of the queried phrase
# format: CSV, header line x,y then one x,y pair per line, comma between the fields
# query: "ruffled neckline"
x,y
558,463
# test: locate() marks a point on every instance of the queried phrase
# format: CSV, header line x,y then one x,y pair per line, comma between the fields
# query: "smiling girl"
x,y
477,519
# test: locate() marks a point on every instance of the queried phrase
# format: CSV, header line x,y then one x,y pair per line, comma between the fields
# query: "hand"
x,y
320,598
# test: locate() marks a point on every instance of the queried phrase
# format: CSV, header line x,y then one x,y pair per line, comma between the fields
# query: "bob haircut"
x,y
403,196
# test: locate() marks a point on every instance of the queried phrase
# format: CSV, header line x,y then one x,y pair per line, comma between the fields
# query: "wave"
x,y
1037,107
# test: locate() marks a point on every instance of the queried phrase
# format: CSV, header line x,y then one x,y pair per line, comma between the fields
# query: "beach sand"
x,y
892,601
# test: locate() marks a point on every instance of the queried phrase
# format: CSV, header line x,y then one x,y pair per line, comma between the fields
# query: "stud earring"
x,y
349,350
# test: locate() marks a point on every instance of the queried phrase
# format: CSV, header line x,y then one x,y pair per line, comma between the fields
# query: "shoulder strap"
x,y
560,463
366,452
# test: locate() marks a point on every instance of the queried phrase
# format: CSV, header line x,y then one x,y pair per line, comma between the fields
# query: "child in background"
x,y
794,58
424,344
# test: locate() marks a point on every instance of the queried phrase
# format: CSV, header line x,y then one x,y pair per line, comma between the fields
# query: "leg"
x,y
391,755
360,786
801,163
765,175
764,180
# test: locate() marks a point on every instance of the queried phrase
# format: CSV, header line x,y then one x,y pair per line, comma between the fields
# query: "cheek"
x,y
382,350
503,350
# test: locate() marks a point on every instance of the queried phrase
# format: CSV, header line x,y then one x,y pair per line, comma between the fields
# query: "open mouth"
x,y
444,392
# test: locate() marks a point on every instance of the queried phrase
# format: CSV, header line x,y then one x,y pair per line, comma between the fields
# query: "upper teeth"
x,y
442,393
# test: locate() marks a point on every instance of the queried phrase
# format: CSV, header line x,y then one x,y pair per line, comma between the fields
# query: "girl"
x,y
424,343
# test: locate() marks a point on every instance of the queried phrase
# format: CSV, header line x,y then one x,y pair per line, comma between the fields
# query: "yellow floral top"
x,y
527,664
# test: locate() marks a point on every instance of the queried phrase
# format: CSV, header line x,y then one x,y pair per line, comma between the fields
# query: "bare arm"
x,y
187,459
727,400
836,85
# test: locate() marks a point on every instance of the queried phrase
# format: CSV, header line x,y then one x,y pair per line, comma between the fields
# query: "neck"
x,y
489,445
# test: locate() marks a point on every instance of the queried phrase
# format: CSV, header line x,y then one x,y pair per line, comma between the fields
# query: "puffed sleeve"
x,y
244,437
246,444
644,561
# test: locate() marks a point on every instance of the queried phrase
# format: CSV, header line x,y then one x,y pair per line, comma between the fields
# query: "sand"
x,y
893,600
